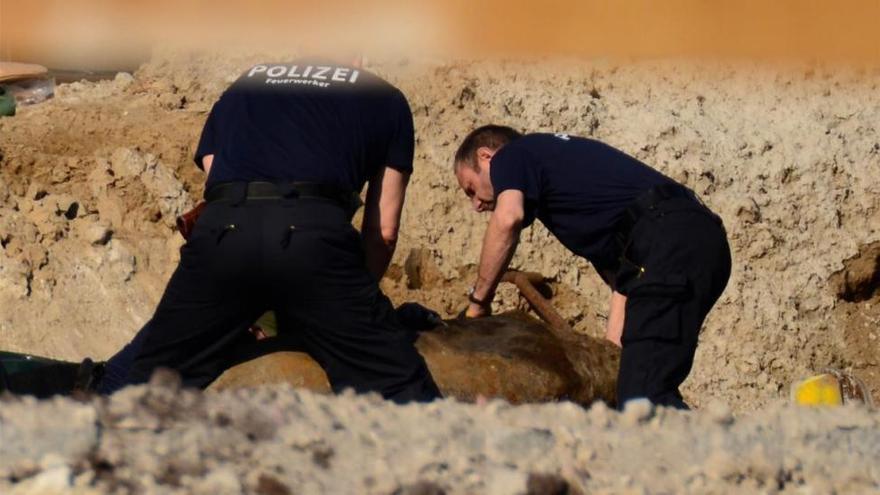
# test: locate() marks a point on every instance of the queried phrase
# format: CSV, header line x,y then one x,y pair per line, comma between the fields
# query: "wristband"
x,y
476,301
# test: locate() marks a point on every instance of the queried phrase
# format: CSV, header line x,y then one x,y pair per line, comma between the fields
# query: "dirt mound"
x,y
90,183
278,440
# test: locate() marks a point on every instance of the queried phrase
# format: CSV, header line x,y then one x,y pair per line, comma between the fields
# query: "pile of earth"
x,y
91,181
280,440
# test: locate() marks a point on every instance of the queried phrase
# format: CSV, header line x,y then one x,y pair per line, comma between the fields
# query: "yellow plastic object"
x,y
819,390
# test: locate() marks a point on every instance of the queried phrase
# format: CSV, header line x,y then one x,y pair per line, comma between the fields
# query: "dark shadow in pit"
x,y
860,278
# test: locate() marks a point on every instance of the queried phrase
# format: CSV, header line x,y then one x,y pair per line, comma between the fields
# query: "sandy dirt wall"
x,y
790,158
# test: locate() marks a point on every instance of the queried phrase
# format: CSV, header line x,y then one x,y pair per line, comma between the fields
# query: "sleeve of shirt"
x,y
401,148
210,139
515,168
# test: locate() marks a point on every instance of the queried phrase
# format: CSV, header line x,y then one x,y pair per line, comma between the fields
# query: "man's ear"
x,y
485,153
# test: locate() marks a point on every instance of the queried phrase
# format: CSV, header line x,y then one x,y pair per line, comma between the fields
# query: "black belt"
x,y
239,191
648,202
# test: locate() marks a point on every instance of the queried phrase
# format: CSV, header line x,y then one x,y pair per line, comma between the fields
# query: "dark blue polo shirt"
x,y
576,187
307,121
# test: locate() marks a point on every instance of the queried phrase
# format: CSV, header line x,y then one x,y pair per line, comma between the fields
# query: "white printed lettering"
x,y
257,68
309,74
319,73
276,71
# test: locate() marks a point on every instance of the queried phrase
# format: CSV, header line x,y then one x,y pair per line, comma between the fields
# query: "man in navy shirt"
x,y
287,149
662,252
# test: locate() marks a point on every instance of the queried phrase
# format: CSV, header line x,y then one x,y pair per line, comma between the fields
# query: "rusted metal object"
x,y
595,360
526,283
510,356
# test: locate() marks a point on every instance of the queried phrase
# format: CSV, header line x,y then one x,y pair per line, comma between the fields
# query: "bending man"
x,y
287,148
663,253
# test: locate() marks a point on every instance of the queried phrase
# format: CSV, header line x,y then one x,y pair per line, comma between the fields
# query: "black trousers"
x,y
674,268
298,257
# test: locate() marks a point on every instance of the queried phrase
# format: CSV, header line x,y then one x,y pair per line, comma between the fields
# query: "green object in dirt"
x,y
7,103
42,377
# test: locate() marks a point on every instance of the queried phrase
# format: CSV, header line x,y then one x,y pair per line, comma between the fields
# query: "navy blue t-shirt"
x,y
576,187
307,121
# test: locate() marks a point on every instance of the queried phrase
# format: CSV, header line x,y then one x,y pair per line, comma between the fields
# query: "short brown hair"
x,y
490,136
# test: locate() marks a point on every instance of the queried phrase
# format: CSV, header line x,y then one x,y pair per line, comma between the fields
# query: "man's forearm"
x,y
616,318
378,253
207,161
499,245
382,210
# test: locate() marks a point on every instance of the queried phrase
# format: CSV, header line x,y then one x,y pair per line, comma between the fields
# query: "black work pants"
x,y
674,268
298,257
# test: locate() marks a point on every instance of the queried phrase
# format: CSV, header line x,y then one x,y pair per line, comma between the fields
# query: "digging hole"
x,y
860,278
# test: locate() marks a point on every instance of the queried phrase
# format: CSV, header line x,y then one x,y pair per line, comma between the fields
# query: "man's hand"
x,y
616,316
474,310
